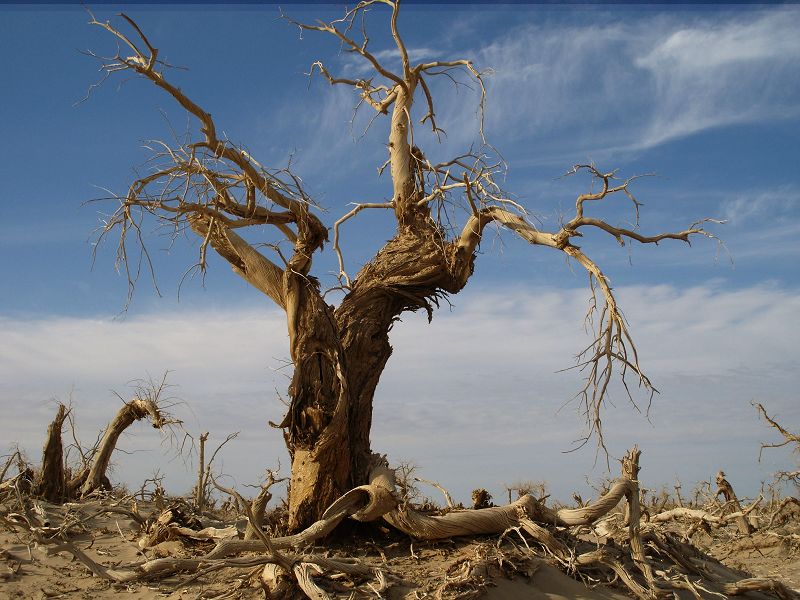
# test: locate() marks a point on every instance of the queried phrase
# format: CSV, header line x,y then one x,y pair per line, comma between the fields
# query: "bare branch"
x,y
336,248
430,114
352,45
469,67
211,186
788,438
612,348
365,85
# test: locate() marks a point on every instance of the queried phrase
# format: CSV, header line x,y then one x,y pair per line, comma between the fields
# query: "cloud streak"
x,y
597,87
708,75
476,394
581,88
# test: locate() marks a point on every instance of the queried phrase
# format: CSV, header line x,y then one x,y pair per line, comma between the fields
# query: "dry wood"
x,y
16,456
135,410
788,437
275,580
757,584
447,498
212,187
725,489
200,496
696,514
648,562
790,501
51,480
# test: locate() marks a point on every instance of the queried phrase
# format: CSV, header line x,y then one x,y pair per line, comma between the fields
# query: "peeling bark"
x,y
316,426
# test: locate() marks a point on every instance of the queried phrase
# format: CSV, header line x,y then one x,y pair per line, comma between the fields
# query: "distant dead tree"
x,y
538,489
214,189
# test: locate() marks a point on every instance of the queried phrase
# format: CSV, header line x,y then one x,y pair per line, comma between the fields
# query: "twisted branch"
x,y
210,186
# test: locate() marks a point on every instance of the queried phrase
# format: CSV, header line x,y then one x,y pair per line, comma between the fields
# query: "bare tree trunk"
x,y
132,411
316,431
339,358
51,482
725,489
257,507
200,493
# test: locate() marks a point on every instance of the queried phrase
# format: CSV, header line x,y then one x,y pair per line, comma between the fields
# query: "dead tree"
x,y
440,211
56,483
135,410
725,490
51,481
202,491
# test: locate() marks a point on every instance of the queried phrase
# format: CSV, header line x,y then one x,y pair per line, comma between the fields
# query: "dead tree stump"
x,y
50,483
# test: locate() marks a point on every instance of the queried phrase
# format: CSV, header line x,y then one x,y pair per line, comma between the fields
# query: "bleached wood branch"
x,y
198,186
337,248
613,346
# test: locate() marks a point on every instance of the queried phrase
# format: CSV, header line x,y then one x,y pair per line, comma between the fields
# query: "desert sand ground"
x,y
471,567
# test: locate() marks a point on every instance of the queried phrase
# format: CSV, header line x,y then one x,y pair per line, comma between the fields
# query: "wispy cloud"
x,y
389,58
571,90
588,89
477,391
711,74
777,205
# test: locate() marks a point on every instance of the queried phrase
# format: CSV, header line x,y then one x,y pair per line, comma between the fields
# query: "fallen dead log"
x,y
696,514
760,584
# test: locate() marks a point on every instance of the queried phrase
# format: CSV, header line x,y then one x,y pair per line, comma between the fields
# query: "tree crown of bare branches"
x,y
214,188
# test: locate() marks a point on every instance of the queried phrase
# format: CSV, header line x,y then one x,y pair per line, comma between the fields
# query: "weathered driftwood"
x,y
760,584
704,516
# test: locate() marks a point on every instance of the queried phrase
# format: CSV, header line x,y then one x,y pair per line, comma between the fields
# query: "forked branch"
x,y
210,186
343,276
613,347
788,437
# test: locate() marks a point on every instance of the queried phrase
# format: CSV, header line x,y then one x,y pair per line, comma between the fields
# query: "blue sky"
x,y
706,98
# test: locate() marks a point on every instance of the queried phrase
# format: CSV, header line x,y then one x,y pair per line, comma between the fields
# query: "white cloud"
x,y
570,91
773,205
223,371
473,398
591,89
710,74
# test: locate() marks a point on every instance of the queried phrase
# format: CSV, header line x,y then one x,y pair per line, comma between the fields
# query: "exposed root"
x,y
595,543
